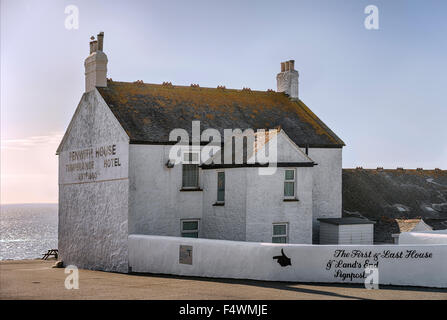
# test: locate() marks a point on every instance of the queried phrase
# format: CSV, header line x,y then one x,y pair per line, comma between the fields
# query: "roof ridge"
x,y
195,86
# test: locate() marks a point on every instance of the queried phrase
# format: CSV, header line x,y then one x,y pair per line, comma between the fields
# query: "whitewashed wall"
x,y
356,234
93,189
156,203
428,237
309,263
346,234
226,222
265,205
252,202
328,233
327,189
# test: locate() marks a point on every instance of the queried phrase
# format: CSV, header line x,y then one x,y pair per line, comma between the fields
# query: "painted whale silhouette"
x,y
283,260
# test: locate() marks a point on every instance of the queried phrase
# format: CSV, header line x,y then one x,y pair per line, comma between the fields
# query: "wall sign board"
x,y
94,164
185,254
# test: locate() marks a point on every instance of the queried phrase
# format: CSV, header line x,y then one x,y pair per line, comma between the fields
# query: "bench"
x,y
51,252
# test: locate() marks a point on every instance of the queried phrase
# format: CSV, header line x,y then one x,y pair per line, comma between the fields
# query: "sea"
x,y
27,230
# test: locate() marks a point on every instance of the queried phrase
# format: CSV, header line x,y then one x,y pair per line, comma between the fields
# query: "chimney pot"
x,y
292,64
100,38
283,66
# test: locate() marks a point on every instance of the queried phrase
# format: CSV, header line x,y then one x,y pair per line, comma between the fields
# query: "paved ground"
x,y
35,279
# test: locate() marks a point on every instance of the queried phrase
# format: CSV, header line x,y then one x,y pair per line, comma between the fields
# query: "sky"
x,y
382,91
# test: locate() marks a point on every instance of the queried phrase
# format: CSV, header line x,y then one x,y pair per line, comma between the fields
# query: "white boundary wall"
x,y
309,263
426,237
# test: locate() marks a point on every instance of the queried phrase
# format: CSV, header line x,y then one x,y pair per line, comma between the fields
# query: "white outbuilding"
x,y
346,231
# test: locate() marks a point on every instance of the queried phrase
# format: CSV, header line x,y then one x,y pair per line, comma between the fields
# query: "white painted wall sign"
x,y
96,163
415,265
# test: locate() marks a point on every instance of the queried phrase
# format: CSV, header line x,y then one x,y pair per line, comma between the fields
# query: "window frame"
x,y
285,235
217,187
191,162
289,181
182,231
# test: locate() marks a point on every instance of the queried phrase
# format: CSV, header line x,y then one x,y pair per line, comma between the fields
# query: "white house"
x,y
116,175
410,225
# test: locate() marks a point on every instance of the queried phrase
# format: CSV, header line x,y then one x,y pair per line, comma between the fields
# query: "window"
x,y
190,168
190,228
221,187
289,184
280,233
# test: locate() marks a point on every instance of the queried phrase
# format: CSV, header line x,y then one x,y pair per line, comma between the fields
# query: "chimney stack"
x,y
96,65
287,79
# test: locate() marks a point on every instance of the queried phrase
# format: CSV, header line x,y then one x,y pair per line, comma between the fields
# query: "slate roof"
x,y
402,194
396,198
437,224
148,112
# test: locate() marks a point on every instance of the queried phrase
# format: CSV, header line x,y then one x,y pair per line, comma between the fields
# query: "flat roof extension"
x,y
344,221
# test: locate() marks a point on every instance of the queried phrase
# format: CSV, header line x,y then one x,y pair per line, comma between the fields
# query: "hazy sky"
x,y
382,91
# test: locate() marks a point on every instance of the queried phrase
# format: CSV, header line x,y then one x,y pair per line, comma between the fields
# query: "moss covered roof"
x,y
396,199
148,112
